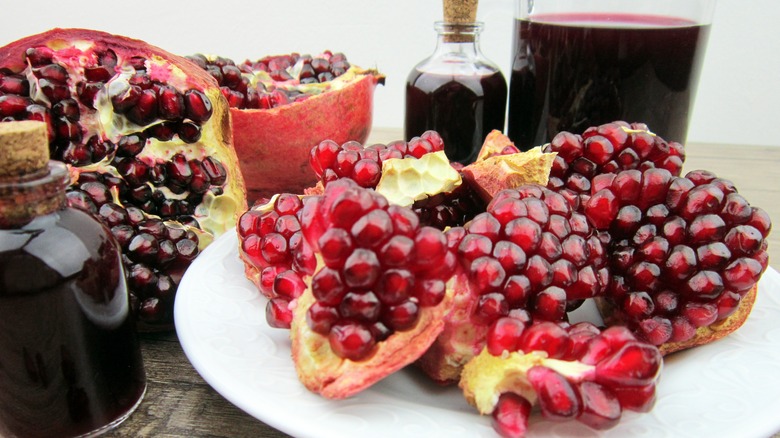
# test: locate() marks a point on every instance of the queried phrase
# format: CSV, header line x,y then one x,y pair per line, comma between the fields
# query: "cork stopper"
x,y
24,148
460,11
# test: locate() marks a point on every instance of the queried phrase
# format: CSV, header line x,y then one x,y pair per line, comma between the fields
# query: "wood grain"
x,y
179,403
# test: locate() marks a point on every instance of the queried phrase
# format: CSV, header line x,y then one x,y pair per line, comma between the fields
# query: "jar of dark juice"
x,y
457,92
582,63
70,363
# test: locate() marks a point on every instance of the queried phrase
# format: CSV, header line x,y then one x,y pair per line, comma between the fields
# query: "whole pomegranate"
x,y
147,136
283,105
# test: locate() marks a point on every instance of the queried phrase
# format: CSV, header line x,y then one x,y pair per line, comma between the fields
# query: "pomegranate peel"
x,y
496,143
341,112
498,171
323,372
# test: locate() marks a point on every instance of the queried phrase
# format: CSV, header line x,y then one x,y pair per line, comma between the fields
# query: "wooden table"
x,y
179,403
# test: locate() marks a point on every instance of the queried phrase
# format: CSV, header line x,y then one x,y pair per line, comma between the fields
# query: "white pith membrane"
x,y
215,213
495,375
405,180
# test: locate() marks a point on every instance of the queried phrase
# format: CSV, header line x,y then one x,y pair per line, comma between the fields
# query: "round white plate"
x,y
725,389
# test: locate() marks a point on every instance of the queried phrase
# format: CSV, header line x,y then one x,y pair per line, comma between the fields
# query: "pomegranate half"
x,y
148,137
283,105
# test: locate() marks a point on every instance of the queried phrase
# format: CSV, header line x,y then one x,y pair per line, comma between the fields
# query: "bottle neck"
x,y
24,198
458,38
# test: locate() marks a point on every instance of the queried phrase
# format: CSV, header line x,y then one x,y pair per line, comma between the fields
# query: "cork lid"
x,y
24,147
460,11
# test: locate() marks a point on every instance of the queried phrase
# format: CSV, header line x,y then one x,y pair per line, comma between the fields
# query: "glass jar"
x,y
582,63
457,92
70,362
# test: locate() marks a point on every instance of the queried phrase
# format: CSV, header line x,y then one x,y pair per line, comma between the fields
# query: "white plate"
x,y
728,388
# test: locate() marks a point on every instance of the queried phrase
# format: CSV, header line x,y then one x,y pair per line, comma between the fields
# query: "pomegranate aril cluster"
x,y
381,268
157,110
331,161
611,147
272,240
611,371
155,253
529,254
452,209
684,251
235,80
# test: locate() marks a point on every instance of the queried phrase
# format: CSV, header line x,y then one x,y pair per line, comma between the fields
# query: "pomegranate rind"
x,y
496,143
498,172
321,371
460,340
273,144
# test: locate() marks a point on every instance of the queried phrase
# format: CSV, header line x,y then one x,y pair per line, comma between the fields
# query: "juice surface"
x,y
572,71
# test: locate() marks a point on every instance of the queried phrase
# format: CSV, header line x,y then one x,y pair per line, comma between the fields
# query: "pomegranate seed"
x,y
351,341
557,397
510,416
600,407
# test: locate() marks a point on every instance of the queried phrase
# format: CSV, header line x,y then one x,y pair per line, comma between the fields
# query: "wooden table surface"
x,y
179,403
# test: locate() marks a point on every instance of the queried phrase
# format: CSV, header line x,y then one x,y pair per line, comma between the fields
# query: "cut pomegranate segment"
x,y
365,316
685,255
588,381
286,104
529,254
145,132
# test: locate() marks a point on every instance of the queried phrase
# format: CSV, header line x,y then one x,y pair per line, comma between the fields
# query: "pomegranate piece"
x,y
592,380
686,254
528,254
116,110
289,103
277,258
364,315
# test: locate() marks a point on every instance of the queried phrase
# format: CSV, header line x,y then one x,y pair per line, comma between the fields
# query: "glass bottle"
x,y
70,362
456,91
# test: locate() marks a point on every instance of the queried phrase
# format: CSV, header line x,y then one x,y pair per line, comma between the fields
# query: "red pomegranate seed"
x,y
510,416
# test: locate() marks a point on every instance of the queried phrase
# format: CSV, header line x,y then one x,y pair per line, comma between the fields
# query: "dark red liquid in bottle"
x,y
70,361
462,109
579,70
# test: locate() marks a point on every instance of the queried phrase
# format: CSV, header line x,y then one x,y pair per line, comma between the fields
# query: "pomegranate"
x,y
376,300
277,258
685,254
572,372
146,134
283,105
528,255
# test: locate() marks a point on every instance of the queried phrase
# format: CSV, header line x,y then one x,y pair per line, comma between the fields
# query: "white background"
x,y
738,100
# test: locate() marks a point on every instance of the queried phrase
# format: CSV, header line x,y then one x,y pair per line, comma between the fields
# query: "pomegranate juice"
x,y
70,361
572,71
462,109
